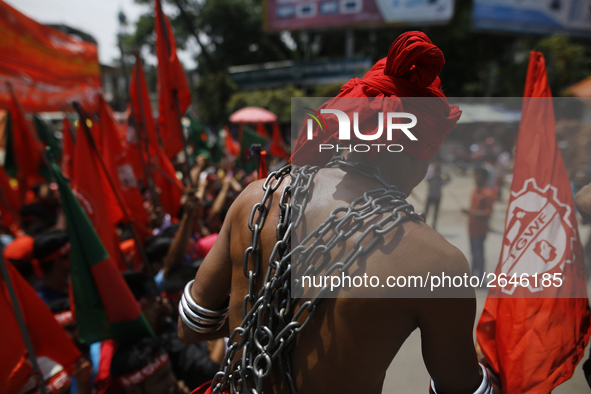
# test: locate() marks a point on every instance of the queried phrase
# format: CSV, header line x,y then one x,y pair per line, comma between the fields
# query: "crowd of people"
x,y
40,251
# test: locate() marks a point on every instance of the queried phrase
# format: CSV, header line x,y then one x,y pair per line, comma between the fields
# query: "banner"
x,y
317,14
46,68
571,17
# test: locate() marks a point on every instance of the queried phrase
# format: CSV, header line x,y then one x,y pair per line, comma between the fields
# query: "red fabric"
x,y
277,148
10,202
263,172
48,337
25,147
171,189
535,343
482,200
138,93
67,149
204,245
117,299
232,147
410,70
119,166
91,187
261,130
48,68
171,79
205,388
104,382
20,250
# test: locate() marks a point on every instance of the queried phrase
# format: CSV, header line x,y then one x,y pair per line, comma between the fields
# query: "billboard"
x,y
317,14
571,17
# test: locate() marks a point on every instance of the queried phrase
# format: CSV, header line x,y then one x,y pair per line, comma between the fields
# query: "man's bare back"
x,y
350,342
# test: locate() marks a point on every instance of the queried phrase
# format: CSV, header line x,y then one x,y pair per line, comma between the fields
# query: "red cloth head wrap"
x,y
410,70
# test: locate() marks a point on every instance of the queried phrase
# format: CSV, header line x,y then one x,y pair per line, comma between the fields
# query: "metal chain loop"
x,y
271,316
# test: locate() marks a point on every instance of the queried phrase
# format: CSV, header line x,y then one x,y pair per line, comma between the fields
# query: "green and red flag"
x,y
92,188
171,81
249,138
105,307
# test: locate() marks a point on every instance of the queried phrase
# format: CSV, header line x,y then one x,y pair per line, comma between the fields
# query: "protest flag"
x,y
277,148
92,188
174,95
534,331
28,329
105,307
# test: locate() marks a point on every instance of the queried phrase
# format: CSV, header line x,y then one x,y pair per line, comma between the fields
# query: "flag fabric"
x,y
277,148
47,137
47,67
25,149
262,131
105,307
171,81
94,192
170,188
249,138
534,334
232,147
48,338
67,148
119,166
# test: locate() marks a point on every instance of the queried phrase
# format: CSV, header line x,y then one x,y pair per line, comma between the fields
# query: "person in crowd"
x,y
52,251
194,363
144,367
481,206
437,177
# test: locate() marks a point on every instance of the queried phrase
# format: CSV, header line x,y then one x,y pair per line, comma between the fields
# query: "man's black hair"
x,y
48,243
140,284
135,355
157,247
171,230
39,215
61,305
176,279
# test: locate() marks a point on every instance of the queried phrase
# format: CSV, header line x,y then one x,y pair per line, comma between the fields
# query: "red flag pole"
x,y
186,167
144,137
21,322
140,247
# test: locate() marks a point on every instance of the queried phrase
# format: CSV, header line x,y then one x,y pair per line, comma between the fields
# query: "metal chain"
x,y
270,317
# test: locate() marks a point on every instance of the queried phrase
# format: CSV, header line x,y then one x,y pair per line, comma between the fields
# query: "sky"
x,y
95,17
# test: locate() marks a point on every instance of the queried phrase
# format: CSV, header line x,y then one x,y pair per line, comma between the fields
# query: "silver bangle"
x,y
197,318
485,387
199,309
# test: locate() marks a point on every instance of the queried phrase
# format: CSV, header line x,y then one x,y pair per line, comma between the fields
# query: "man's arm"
x,y
446,326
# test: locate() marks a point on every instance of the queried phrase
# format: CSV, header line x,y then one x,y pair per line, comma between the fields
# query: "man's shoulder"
x,y
433,253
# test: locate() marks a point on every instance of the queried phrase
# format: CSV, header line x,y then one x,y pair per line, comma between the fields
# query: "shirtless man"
x,y
350,342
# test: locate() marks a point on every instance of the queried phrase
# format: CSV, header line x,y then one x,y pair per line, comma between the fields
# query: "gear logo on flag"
x,y
538,235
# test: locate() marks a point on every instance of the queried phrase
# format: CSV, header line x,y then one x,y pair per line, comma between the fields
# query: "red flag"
x,y
119,166
67,148
171,189
261,130
534,343
171,81
140,103
48,337
25,147
94,192
277,149
232,147
263,171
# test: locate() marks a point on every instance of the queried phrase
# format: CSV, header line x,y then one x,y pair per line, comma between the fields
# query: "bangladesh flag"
x,y
105,307
47,137
248,138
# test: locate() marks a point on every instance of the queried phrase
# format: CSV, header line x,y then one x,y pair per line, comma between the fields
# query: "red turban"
x,y
411,69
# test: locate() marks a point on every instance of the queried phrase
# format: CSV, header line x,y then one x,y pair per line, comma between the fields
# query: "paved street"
x,y
408,374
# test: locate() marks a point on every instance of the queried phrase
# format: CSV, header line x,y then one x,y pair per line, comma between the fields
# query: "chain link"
x,y
271,317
